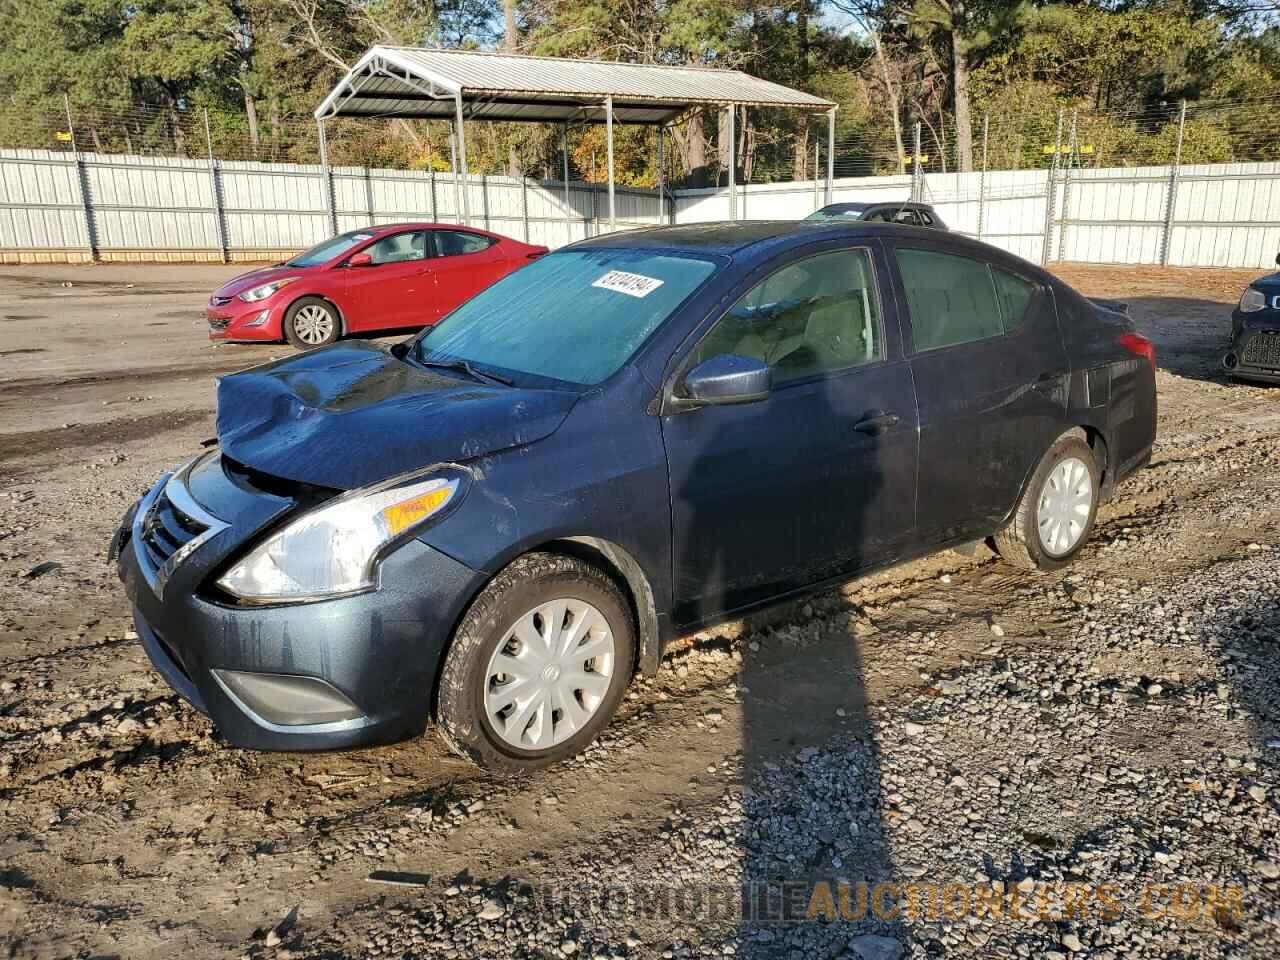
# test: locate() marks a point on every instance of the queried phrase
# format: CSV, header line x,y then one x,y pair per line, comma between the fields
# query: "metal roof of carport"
x,y
459,85
412,82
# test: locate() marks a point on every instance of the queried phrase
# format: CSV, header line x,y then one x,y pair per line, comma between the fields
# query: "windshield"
x,y
575,316
843,211
324,252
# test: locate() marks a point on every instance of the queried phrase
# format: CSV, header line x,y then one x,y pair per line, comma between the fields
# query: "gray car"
x,y
911,214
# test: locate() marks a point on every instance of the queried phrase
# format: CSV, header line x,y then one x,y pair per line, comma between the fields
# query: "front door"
x,y
991,377
396,290
818,479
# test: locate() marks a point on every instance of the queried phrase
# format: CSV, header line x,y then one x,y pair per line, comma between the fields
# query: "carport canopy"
x,y
458,85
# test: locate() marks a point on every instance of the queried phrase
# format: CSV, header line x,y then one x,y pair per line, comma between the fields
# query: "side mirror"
x,y
728,378
360,260
401,350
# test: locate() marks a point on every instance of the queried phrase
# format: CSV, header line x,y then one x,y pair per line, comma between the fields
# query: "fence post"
x,y
982,176
431,194
1051,196
368,194
817,160
524,204
326,181
215,183
915,167
1065,219
82,185
1171,191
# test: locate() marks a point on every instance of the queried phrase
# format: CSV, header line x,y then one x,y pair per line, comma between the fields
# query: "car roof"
x,y
384,228
732,238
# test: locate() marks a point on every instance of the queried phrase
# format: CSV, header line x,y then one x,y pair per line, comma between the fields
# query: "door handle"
x,y
877,421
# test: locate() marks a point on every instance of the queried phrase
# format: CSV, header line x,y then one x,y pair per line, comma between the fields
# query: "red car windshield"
x,y
324,252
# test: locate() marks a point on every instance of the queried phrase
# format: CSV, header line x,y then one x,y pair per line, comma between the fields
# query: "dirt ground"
x,y
127,828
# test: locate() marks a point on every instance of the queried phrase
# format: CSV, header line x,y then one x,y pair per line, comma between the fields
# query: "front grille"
x,y
166,530
218,323
1263,350
219,301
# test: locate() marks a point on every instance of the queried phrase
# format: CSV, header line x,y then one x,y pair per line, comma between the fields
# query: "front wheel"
x,y
538,665
311,322
1055,516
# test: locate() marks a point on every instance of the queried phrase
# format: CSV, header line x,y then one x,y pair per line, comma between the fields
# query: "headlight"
x,y
1252,301
334,549
266,290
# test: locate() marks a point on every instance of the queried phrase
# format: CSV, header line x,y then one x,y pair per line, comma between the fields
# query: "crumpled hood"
x,y
255,278
351,414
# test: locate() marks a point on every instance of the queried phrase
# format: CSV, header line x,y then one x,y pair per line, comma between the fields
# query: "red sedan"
x,y
384,278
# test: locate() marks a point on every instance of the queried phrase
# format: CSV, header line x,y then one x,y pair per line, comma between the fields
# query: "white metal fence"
x,y
60,207
67,207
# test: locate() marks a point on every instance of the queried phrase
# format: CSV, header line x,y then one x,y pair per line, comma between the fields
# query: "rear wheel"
x,y
1055,516
311,322
538,665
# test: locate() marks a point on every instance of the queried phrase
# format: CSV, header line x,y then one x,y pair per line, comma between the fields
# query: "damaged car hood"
x,y
352,414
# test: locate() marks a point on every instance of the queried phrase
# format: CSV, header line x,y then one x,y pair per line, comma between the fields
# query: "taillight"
x,y
1140,346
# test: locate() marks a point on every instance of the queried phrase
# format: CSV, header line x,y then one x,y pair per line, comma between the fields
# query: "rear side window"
x,y
1015,296
952,299
399,247
456,243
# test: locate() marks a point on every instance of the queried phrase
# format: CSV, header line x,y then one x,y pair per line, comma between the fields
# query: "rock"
x,y
912,729
872,947
997,629
492,910
1072,943
1258,793
1154,690
569,947
1269,869
273,939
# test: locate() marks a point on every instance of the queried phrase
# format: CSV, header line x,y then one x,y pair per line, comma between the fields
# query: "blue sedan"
x,y
493,525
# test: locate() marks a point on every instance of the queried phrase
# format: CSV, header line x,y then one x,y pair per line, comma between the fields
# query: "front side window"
x,y
573,315
810,317
952,299
457,243
399,247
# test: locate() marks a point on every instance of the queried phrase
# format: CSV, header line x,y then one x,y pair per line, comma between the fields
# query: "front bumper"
x,y
239,321
1255,347
378,652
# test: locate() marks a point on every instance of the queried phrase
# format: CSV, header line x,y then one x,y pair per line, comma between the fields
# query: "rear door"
x,y
816,480
396,289
991,378
464,264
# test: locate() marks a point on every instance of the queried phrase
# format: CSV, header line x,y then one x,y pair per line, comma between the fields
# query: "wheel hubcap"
x,y
312,324
1065,502
550,674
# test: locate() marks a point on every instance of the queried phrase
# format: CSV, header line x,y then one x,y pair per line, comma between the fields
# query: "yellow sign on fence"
x,y
63,135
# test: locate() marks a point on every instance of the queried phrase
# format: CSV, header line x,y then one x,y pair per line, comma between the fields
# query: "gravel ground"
x,y
987,763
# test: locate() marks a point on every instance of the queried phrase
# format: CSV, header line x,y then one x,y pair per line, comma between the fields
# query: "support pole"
x,y
524,204
453,166
817,166
219,221
326,177
1171,191
82,181
831,154
613,211
564,148
462,157
662,178
1051,197
916,176
982,176
733,162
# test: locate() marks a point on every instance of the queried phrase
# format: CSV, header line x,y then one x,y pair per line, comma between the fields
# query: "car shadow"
x,y
811,840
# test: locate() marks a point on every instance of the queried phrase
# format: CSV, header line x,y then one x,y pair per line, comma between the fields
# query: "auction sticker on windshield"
x,y
632,284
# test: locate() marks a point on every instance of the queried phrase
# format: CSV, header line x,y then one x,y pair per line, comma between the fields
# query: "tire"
x,y
1021,542
305,329
471,685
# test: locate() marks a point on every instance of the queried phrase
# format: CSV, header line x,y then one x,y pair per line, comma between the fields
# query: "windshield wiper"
x,y
463,366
